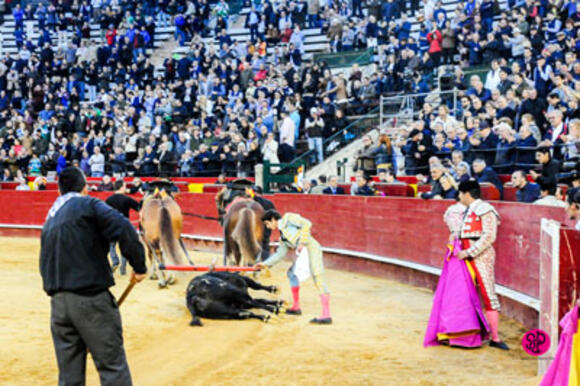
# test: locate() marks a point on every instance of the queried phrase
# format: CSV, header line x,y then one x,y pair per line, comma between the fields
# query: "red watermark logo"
x,y
536,342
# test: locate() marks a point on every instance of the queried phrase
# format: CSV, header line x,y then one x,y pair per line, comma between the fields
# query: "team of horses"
x,y
215,294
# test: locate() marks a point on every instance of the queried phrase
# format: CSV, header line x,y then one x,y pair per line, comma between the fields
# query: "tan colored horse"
x,y
161,224
243,231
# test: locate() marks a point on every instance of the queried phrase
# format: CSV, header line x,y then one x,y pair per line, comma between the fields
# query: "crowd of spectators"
x,y
101,104
223,109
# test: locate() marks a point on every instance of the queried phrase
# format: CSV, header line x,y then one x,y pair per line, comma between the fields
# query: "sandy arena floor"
x,y
376,339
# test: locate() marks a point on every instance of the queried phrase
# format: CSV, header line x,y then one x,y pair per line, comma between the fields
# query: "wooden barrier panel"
x,y
569,270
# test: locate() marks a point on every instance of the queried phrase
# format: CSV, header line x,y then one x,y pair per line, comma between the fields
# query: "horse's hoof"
x,y
267,318
162,285
195,322
275,289
153,277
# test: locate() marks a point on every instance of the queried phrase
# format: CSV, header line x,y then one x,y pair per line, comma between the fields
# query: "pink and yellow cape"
x,y
565,369
456,317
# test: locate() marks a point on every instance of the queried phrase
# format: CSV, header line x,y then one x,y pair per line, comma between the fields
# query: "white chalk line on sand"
x,y
519,297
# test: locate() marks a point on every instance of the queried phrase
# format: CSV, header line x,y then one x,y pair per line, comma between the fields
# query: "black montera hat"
x,y
469,185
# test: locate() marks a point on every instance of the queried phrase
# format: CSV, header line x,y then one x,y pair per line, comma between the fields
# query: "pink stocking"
x,y
325,300
295,298
493,320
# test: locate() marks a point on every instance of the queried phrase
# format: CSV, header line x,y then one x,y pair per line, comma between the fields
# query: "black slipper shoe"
x,y
321,321
290,311
500,345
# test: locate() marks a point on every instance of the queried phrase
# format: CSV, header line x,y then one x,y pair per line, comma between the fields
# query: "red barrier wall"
x,y
403,228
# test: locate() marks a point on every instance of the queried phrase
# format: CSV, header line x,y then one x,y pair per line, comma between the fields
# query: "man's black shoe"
x,y
500,345
321,321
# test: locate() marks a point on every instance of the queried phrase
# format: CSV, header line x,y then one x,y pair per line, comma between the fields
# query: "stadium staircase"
x,y
346,157
315,42
8,41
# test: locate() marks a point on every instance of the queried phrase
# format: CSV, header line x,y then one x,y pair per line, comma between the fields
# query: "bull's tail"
x,y
245,235
169,241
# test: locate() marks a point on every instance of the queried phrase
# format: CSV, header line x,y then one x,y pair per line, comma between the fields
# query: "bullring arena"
x,y
376,339
380,305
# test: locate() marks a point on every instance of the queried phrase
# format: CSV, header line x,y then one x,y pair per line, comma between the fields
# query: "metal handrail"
x,y
336,136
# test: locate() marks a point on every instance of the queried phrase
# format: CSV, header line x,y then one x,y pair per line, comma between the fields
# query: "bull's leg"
x,y
220,310
275,303
257,286
244,300
195,321
258,303
185,251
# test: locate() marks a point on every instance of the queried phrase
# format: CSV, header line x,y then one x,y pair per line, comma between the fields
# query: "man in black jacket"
x,y
123,204
76,275
333,187
484,173
417,152
550,166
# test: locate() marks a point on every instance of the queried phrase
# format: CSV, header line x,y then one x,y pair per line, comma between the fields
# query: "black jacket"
x,y
266,204
75,243
339,190
122,203
550,171
489,175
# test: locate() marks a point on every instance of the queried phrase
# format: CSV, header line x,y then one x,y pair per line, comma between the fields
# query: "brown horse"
x,y
161,224
243,232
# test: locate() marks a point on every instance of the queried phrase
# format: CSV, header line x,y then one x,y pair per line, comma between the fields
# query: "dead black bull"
x,y
224,295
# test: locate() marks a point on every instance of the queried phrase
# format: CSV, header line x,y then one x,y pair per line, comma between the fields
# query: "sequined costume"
x,y
478,232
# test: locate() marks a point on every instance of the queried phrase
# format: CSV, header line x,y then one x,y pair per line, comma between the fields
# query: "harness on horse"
x,y
162,185
234,190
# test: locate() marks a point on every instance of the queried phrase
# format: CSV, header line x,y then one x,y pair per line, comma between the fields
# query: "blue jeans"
x,y
180,35
316,144
313,21
115,258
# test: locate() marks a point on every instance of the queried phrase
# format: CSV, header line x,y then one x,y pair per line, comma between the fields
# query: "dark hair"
x,y
271,214
548,186
118,184
322,178
71,179
470,186
543,150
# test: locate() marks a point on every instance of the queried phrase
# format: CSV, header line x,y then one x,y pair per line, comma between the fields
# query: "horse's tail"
x,y
169,243
245,235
